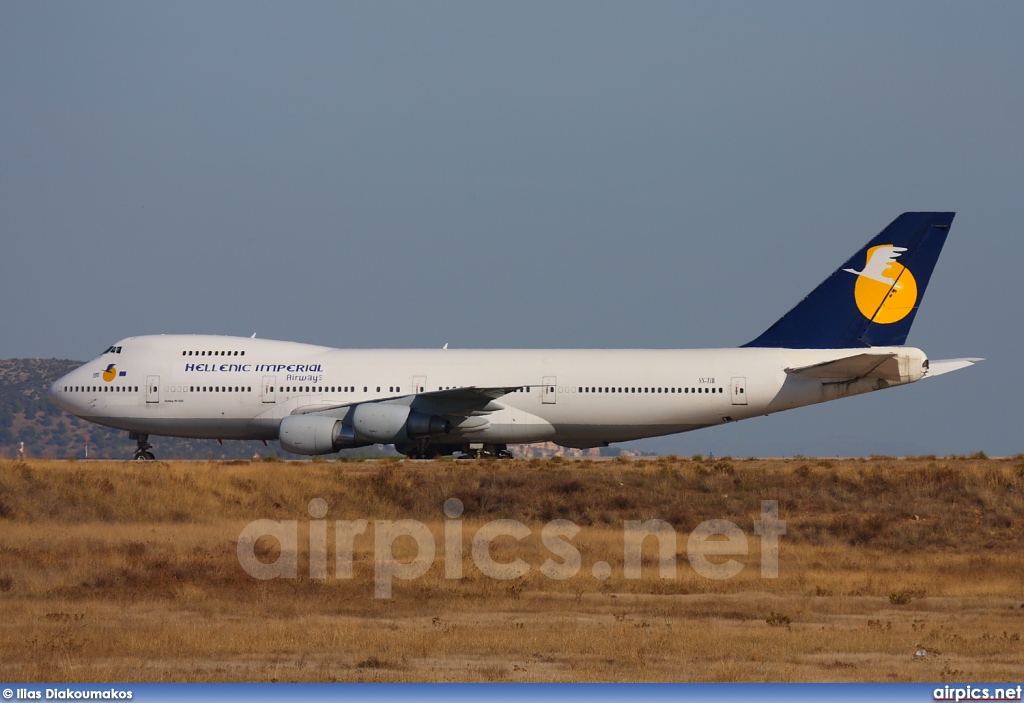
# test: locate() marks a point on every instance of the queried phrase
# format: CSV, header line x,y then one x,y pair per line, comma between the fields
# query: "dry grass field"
x,y
129,571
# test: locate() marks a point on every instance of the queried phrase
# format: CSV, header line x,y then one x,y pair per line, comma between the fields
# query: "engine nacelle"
x,y
315,434
386,423
420,425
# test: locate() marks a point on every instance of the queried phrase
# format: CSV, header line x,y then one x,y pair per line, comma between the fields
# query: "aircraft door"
x,y
739,390
548,390
419,384
270,389
152,389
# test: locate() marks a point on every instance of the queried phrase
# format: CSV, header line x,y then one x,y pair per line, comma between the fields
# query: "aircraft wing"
x,y
452,401
851,368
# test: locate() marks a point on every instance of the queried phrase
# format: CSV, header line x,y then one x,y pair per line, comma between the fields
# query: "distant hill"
x,y
27,415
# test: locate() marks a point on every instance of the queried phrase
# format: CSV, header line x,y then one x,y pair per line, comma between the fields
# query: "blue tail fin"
x,y
871,300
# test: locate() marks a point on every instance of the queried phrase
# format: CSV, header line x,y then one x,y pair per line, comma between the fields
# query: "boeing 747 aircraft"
x,y
844,339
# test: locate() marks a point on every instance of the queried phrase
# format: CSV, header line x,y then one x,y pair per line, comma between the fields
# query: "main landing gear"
x,y
420,449
423,449
142,447
480,451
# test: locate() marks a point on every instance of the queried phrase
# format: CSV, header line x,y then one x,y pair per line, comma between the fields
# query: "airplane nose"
x,y
53,392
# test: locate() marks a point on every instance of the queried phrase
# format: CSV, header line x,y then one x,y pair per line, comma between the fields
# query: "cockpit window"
x,y
111,350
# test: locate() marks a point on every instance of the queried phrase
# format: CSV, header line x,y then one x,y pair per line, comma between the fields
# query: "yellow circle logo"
x,y
886,291
110,373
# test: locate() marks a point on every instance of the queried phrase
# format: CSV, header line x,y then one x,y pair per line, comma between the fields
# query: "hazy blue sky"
x,y
571,174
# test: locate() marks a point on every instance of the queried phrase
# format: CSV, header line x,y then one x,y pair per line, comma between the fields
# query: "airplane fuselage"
x,y
844,338
222,387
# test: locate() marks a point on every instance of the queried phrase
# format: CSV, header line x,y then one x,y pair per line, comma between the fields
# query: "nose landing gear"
x,y
142,447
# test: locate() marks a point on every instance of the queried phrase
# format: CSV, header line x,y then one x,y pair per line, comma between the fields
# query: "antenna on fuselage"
x,y
253,336
445,345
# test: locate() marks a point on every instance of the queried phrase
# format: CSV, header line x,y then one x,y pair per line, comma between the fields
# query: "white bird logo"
x,y
878,262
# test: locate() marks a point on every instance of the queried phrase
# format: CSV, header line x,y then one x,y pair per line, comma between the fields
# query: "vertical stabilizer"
x,y
870,300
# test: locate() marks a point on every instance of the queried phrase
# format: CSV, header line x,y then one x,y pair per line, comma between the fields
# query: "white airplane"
x,y
843,339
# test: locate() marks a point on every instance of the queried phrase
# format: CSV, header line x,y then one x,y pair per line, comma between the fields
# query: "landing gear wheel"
x,y
418,449
486,451
142,447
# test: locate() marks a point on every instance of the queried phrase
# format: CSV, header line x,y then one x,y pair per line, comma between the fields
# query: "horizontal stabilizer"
x,y
937,368
851,368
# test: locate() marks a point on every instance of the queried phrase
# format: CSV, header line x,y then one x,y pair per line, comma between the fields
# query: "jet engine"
x,y
316,434
386,423
371,423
